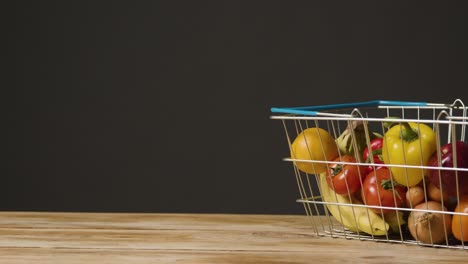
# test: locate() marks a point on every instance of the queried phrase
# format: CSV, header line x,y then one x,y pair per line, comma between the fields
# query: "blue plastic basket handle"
x,y
314,110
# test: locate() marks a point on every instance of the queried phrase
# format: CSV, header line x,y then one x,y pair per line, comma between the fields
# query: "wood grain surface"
x,y
38,237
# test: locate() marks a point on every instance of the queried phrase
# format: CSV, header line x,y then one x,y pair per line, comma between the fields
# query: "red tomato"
x,y
378,190
375,155
345,178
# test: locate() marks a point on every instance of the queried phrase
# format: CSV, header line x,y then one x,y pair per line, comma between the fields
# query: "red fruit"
x,y
375,155
448,181
378,189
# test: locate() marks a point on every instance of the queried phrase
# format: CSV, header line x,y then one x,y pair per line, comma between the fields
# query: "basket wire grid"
x,y
448,121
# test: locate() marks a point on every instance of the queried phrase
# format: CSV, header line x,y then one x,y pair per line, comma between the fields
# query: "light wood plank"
x,y
190,238
72,256
153,221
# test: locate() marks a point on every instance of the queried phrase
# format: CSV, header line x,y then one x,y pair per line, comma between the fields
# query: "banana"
x,y
356,219
354,138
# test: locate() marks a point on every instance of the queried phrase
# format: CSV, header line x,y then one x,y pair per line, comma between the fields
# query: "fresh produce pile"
x,y
381,172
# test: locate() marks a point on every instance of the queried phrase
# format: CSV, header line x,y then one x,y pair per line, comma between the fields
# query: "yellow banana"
x,y
356,219
354,136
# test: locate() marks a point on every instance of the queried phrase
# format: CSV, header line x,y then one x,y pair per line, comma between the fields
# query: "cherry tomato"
x,y
345,178
460,222
379,190
375,155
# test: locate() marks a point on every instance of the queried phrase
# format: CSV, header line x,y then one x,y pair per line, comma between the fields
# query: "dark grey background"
x,y
163,106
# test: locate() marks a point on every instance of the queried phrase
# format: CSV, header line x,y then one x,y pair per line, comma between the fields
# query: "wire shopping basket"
x,y
387,171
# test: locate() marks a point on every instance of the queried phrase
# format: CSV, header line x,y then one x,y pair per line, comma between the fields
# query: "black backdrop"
x,y
163,106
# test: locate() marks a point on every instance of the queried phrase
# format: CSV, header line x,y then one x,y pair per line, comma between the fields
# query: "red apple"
x,y
447,182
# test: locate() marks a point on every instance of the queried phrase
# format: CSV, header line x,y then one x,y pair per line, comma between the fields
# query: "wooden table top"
x,y
39,237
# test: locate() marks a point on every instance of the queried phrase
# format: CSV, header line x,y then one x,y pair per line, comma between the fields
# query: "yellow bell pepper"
x,y
408,144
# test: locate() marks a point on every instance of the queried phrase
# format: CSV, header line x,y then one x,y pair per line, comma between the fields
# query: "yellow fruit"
x,y
356,219
314,144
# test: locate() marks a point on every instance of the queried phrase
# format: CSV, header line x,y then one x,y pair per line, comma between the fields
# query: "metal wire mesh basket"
x,y
388,171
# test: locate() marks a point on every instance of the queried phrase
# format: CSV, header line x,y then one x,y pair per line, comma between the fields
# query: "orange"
x,y
460,222
314,144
